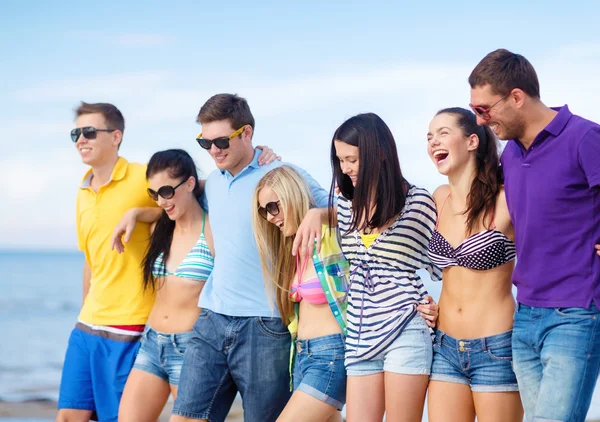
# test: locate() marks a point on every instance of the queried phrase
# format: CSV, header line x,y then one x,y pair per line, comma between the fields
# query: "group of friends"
x,y
260,282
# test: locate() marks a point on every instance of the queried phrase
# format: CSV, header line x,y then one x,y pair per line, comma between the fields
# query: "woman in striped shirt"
x,y
473,242
385,225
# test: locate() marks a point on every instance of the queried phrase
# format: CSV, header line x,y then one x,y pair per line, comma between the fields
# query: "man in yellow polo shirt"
x,y
104,343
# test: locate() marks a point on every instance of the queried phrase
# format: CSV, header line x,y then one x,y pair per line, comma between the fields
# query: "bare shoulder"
x,y
440,194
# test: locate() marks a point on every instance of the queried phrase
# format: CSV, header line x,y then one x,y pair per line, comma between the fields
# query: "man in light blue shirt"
x,y
240,343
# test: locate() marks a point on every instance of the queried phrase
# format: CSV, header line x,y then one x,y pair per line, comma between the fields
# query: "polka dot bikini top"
x,y
482,251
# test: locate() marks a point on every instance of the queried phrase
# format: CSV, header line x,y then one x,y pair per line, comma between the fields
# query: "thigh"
x,y
112,362
206,389
135,403
498,407
450,402
259,361
405,396
412,352
365,399
304,407
76,391
72,415
570,355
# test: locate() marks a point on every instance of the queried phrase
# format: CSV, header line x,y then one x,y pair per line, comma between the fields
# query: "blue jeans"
x,y
556,357
229,354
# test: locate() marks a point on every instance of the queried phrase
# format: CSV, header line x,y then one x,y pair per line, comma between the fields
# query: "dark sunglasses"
x,y
89,132
221,143
271,208
166,192
484,112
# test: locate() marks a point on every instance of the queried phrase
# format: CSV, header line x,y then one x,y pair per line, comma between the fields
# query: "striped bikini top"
x,y
310,290
197,264
482,251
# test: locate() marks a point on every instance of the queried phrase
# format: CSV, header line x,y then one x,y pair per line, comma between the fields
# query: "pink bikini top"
x,y
310,289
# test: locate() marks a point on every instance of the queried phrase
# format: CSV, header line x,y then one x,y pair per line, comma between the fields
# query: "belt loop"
x,y
484,345
440,335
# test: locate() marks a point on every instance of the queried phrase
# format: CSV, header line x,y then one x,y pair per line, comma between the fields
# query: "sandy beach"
x,y
45,410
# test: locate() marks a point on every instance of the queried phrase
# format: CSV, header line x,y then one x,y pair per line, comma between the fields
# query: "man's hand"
x,y
267,156
429,312
598,249
309,232
124,230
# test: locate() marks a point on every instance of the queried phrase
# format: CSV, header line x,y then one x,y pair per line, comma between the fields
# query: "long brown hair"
x,y
379,176
481,200
274,248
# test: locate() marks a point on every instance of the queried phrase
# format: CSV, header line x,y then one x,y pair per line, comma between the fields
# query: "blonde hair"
x,y
274,247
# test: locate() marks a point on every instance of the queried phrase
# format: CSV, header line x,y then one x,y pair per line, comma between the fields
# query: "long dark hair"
x,y
481,200
379,174
180,166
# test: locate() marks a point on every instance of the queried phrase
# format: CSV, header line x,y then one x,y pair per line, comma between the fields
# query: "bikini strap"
x,y
301,272
440,213
203,220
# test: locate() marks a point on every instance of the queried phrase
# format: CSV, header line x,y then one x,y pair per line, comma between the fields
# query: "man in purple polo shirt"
x,y
552,180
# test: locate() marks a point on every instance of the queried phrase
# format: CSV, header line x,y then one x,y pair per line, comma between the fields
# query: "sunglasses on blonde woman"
x,y
271,208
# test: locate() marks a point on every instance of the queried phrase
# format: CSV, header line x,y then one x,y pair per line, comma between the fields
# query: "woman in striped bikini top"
x,y
177,263
472,243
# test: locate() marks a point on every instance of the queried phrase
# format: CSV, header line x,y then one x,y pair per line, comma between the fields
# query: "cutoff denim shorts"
x,y
484,364
319,369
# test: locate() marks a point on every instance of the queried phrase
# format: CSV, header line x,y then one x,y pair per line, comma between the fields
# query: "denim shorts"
x,y
319,369
161,354
409,354
484,364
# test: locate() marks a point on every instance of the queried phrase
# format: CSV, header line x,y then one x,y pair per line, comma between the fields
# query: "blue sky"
x,y
303,67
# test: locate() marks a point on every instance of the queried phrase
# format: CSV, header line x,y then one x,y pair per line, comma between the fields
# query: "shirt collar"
x,y
253,164
117,174
556,126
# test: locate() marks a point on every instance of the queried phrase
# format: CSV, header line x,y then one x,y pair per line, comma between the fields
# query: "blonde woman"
x,y
310,294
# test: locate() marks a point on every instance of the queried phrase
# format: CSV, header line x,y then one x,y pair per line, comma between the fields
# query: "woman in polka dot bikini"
x,y
473,244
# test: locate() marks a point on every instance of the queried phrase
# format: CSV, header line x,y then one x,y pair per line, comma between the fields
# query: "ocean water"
x,y
39,304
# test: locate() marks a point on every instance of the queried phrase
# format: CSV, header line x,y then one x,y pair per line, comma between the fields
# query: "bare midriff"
x,y
176,306
476,304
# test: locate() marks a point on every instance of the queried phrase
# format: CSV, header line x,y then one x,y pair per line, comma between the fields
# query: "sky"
x,y
304,68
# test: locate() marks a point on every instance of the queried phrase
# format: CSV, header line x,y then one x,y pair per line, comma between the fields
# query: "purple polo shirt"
x,y
553,196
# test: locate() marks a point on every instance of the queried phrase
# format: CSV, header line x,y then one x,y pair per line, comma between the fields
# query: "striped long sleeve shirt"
x,y
385,288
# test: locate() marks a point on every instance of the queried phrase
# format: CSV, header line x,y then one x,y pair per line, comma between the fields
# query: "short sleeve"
x,y
589,156
320,195
80,237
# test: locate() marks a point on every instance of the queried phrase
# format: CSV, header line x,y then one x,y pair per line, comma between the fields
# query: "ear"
x,y
190,183
117,138
519,97
247,133
473,142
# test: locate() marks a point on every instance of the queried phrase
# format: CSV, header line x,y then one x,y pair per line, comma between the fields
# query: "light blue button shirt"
x,y
236,286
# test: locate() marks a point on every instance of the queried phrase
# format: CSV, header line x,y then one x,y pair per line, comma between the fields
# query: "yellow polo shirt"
x,y
116,295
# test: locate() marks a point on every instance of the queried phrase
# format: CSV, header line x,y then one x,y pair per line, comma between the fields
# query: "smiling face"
x,y
504,119
266,196
349,162
448,146
239,153
102,150
177,205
